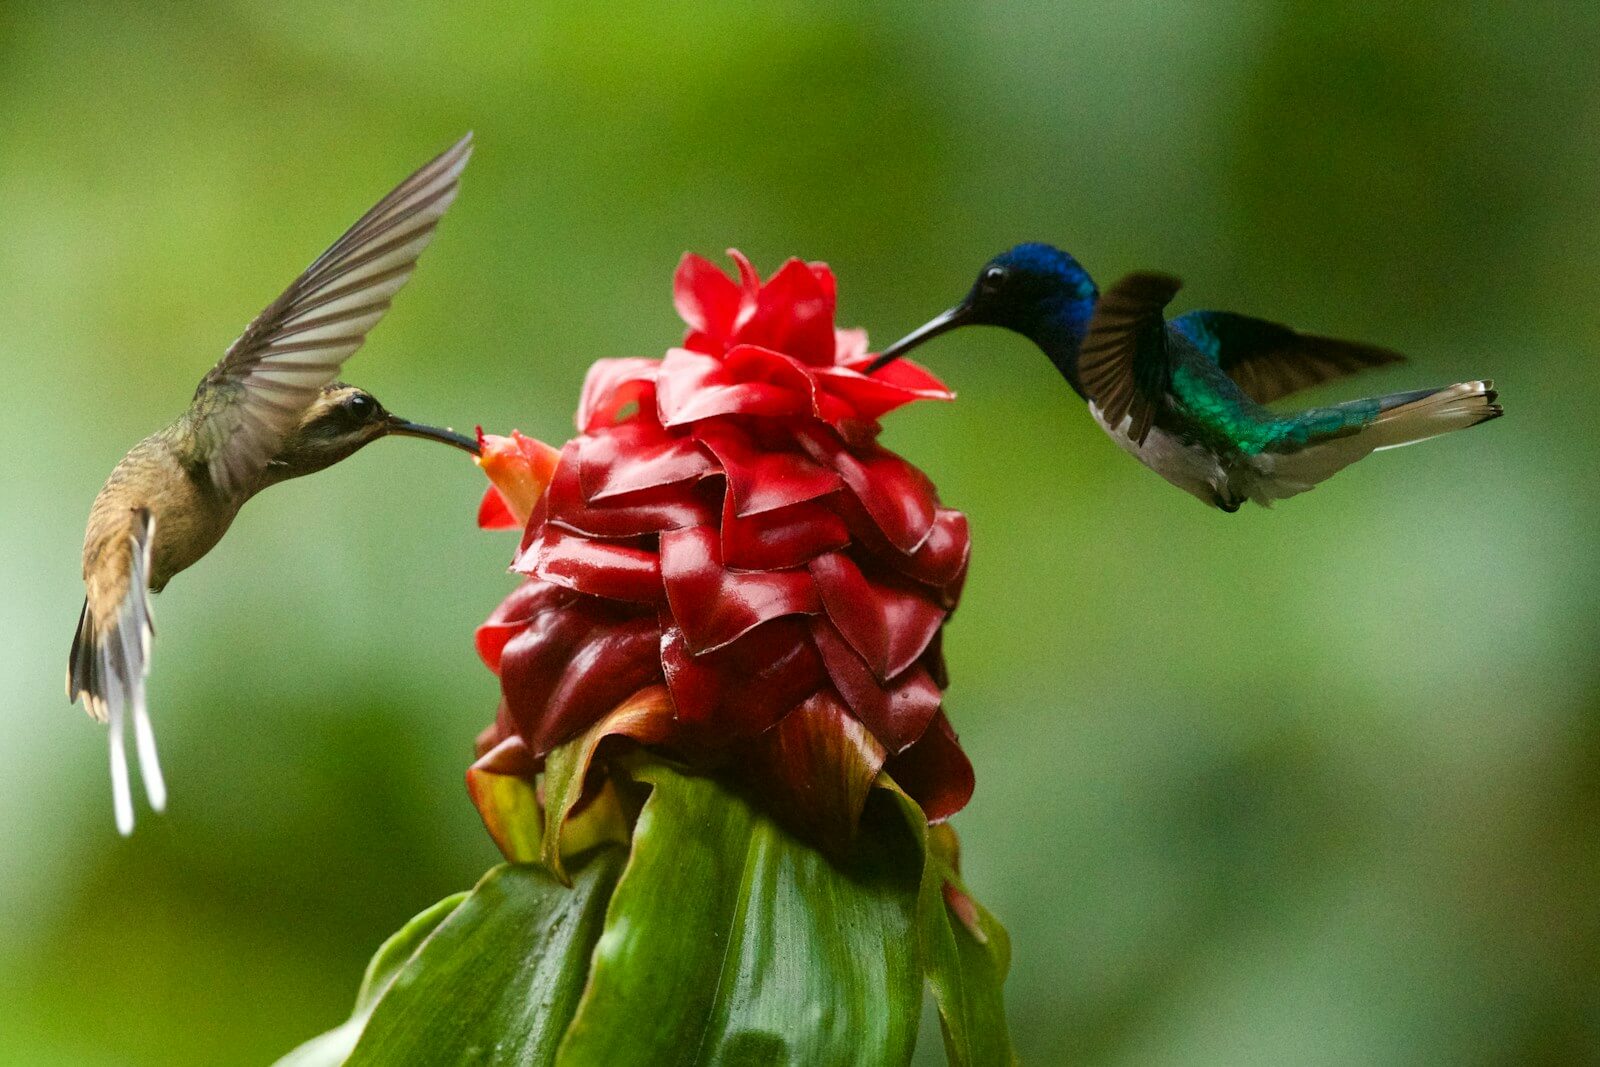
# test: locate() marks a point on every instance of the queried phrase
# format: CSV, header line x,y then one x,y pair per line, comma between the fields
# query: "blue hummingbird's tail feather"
x,y
1406,418
1348,432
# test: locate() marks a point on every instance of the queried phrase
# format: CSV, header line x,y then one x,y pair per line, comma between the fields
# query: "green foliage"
x,y
727,940
737,943
336,1045
965,966
490,977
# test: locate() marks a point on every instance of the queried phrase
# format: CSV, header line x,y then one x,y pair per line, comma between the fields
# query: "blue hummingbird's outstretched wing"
x,y
1268,361
1123,362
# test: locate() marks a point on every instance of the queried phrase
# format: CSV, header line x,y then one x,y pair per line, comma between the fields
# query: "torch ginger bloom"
x,y
726,533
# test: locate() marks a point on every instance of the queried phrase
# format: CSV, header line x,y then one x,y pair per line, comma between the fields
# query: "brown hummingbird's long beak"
x,y
405,428
942,323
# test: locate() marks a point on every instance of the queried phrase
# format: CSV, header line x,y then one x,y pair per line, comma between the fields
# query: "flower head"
x,y
726,525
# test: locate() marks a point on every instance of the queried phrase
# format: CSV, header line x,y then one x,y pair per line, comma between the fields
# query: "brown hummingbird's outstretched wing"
x,y
250,400
111,656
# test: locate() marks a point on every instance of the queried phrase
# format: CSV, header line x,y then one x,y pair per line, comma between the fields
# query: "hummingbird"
x,y
1187,397
270,410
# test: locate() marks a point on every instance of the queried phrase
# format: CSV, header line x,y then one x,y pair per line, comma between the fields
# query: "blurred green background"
x,y
1319,785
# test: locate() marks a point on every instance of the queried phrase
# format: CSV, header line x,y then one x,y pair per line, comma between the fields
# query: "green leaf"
x,y
729,941
331,1049
396,952
499,979
645,717
965,970
501,784
724,940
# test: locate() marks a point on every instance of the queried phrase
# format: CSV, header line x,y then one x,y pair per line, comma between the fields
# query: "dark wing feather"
x,y
272,373
1268,361
1123,361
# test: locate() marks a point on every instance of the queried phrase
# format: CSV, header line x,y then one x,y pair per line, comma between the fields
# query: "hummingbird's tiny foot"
x,y
121,794
155,786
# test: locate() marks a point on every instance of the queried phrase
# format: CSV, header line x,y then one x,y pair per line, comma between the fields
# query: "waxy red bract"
x,y
727,524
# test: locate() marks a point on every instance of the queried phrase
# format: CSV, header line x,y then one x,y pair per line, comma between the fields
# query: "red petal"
x,y
902,373
887,622
816,767
704,343
634,455
706,298
747,381
519,467
899,498
872,397
749,287
714,605
683,375
490,736
780,538
494,513
934,771
601,673
941,561
826,282
761,478
567,668
896,715
794,315
753,364
610,386
597,568
741,689
933,661
509,756
648,511
506,621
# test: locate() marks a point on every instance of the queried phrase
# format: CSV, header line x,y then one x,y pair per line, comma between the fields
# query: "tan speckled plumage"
x,y
268,411
193,516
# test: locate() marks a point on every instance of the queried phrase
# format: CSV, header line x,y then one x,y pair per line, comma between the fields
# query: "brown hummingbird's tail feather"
x,y
80,662
107,667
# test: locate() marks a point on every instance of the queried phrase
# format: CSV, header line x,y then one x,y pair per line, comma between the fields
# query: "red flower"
x,y
725,524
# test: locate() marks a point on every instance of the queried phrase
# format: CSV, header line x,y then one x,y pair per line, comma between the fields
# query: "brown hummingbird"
x,y
270,410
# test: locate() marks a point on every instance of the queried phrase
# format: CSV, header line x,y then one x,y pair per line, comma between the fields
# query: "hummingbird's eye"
x,y
992,278
360,407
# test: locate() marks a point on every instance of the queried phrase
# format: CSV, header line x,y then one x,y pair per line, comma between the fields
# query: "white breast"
x,y
1189,467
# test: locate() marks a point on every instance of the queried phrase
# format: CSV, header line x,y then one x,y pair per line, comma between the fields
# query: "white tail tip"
x,y
121,793
1454,407
155,786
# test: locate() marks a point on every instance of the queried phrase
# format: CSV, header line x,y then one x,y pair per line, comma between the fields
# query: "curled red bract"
x,y
726,523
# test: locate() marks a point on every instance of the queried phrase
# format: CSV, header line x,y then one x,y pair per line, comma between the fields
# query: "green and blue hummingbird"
x,y
1187,397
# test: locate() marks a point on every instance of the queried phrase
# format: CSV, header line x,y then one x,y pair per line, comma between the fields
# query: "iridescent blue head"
x,y
1034,289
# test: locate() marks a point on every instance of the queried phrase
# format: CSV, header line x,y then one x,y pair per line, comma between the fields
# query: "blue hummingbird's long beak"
x,y
942,323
